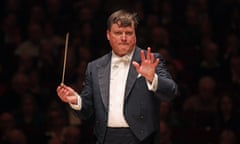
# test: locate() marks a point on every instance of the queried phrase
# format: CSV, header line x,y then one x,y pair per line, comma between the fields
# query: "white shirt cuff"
x,y
77,106
153,86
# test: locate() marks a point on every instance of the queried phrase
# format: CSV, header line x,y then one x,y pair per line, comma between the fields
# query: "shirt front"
x,y
118,77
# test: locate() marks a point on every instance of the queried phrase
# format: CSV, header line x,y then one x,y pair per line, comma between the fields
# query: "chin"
x,y
121,54
124,48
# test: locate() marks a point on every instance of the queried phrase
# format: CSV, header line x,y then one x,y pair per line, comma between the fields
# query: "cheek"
x,y
112,39
133,40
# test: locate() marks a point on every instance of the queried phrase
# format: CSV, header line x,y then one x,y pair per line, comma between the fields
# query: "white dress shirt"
x,y
118,78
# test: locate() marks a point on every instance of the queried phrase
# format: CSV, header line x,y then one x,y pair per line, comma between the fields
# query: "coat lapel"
x,y
132,74
104,79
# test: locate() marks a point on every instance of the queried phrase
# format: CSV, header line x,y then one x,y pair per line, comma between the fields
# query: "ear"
x,y
108,33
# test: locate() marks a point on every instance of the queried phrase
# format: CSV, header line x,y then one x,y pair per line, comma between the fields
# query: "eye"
x,y
129,33
117,33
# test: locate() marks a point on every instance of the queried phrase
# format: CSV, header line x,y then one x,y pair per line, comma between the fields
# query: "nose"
x,y
123,37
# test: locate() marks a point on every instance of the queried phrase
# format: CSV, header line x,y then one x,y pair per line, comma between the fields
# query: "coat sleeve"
x,y
167,87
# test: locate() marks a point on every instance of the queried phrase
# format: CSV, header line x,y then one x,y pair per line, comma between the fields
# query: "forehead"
x,y
117,26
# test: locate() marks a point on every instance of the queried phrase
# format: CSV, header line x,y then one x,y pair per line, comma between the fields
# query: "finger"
x,y
70,90
58,88
61,90
156,62
152,58
62,93
142,56
148,53
64,96
65,99
136,65
65,88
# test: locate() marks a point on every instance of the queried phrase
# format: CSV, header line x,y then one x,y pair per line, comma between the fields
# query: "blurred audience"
x,y
199,40
227,136
72,135
227,115
7,123
199,109
16,136
166,134
30,119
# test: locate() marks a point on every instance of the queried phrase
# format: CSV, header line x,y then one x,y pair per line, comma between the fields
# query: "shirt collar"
x,y
126,58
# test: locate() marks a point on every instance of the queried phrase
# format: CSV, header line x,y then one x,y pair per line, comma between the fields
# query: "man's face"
x,y
122,39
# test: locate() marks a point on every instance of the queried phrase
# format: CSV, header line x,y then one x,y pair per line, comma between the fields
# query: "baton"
x,y
65,57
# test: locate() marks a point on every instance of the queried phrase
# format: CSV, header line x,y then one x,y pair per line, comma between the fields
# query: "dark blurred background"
x,y
199,40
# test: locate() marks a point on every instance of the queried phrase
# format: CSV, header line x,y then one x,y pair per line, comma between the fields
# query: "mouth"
x,y
123,43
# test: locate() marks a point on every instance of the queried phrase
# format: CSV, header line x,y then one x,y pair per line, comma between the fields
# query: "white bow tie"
x,y
124,59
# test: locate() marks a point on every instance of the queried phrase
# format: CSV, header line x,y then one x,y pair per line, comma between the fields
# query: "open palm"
x,y
148,65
